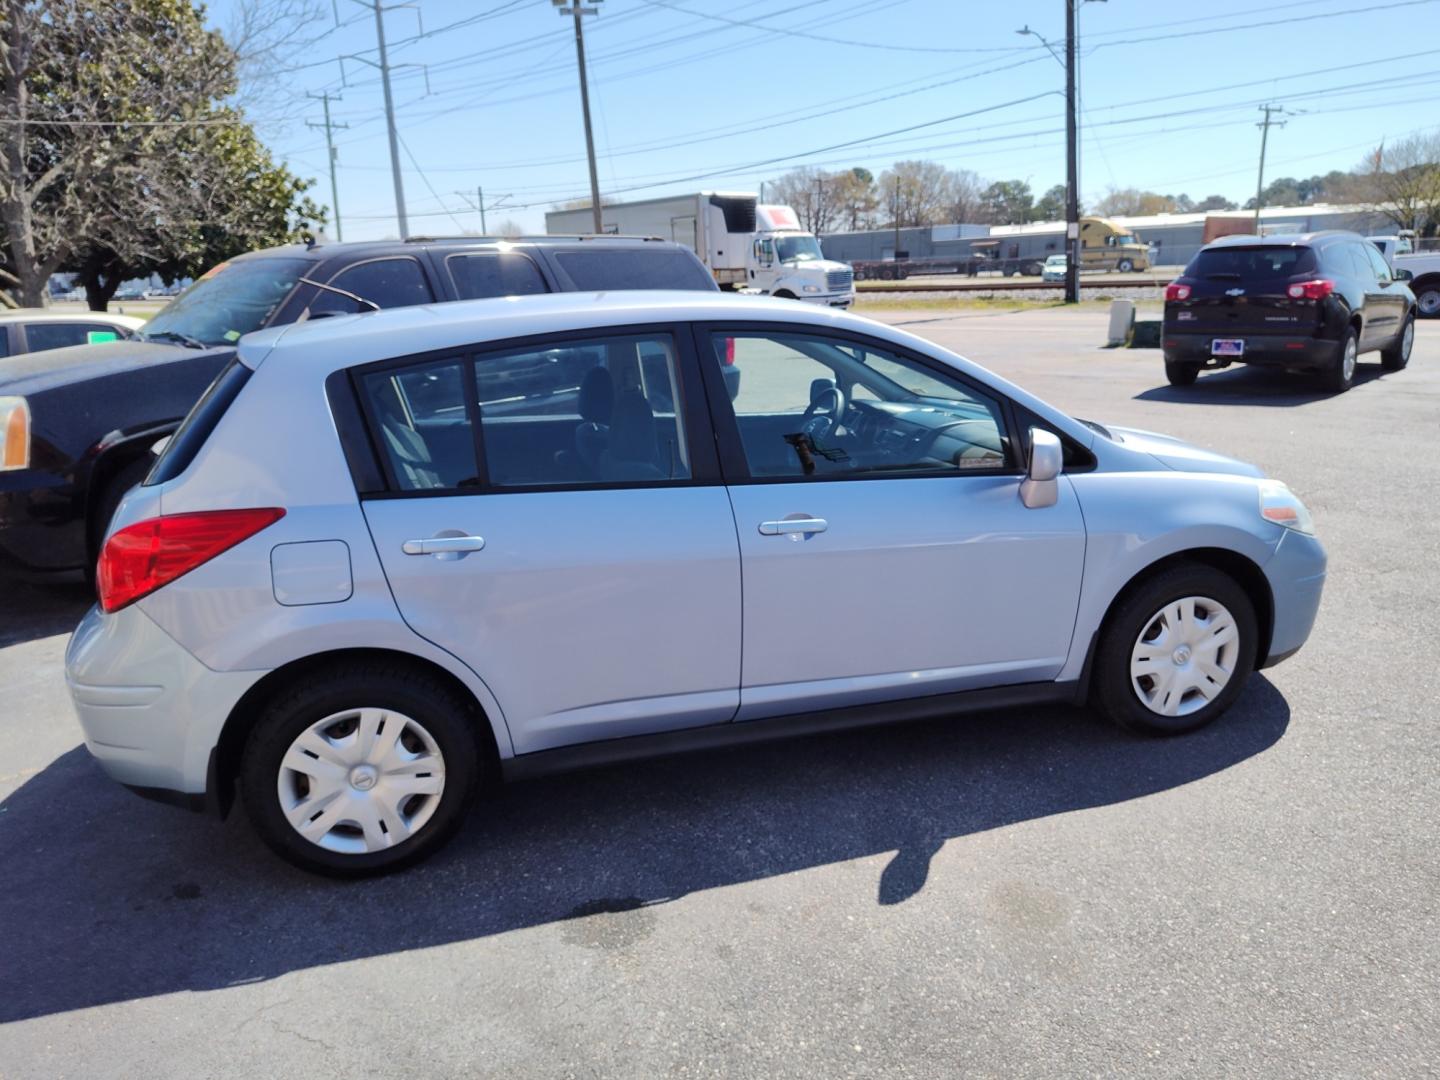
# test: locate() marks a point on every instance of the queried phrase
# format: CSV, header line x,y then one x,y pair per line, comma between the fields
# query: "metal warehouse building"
x,y
1174,238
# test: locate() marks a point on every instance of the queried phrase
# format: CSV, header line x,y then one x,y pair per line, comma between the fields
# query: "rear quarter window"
x,y
602,268
1252,263
199,423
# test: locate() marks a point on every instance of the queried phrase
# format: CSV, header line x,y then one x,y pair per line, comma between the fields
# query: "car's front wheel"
x,y
1398,354
361,770
1125,266
1176,652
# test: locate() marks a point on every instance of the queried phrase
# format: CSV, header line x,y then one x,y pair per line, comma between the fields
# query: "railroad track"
x,y
1087,284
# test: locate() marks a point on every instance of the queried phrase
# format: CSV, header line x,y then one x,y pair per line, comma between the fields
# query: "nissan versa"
x,y
392,558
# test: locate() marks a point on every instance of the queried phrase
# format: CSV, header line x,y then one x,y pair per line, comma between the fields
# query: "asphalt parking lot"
x,y
1023,894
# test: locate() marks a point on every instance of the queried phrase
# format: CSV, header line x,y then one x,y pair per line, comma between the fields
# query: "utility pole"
x,y
383,65
1264,127
895,216
480,202
577,9
1072,164
329,127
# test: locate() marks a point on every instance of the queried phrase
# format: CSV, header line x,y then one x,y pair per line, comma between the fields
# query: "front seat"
x,y
631,452
597,406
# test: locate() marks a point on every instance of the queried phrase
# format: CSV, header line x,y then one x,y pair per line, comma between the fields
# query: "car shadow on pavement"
x,y
1247,385
107,898
28,612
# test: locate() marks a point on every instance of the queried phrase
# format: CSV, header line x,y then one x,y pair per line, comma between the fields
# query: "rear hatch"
x,y
1244,291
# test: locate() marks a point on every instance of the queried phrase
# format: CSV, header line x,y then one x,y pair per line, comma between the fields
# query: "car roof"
x,y
28,315
365,249
1311,239
404,331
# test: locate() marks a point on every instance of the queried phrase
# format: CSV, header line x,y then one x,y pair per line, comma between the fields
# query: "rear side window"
x,y
200,422
40,336
1252,263
498,273
657,268
387,282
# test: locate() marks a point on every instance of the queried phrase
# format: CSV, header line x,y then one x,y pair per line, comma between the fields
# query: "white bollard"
x,y
1122,321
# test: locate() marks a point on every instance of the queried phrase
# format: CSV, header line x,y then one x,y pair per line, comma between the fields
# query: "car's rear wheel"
x,y
1176,652
1181,374
1341,375
1398,354
362,770
1427,299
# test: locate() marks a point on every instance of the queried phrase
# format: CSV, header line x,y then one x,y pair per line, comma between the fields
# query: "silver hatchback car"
x,y
392,558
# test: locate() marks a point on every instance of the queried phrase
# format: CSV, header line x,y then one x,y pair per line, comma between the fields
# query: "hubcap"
x,y
1429,301
1185,656
361,780
1351,350
1409,340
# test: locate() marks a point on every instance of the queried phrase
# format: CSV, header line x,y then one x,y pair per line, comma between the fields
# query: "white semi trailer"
x,y
744,244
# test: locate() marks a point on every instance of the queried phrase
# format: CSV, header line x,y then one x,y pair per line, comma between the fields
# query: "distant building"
x,y
1173,238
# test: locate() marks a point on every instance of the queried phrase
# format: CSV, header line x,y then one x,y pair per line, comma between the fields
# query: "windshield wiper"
x,y
174,335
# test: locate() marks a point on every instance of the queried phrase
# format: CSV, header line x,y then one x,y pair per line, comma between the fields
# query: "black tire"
x,y
1181,374
446,717
109,501
1113,691
1398,354
1337,379
1125,266
1427,298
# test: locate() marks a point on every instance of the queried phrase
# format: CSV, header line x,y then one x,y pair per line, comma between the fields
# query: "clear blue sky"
x,y
742,91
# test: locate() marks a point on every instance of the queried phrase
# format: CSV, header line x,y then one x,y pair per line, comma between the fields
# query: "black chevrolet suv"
x,y
77,424
1310,302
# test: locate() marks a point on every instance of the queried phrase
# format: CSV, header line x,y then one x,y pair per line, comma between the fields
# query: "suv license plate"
x,y
1227,347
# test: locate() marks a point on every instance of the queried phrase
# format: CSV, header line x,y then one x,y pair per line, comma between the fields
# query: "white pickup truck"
x,y
1424,268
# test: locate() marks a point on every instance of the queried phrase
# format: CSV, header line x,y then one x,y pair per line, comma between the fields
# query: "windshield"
x,y
1126,238
797,248
229,301
1055,260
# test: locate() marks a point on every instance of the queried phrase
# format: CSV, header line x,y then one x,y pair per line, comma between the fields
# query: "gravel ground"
x,y
1028,894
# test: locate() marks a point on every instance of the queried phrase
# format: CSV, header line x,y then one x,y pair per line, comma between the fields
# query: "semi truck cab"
x,y
786,261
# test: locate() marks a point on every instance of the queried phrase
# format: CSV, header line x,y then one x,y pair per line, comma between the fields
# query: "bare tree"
x,y
963,198
915,193
511,229
1403,181
269,39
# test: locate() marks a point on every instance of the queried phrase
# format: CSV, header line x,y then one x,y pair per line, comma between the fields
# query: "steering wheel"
x,y
818,425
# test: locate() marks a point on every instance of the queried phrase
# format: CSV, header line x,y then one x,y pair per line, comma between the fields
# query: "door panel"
x,y
884,548
917,586
589,614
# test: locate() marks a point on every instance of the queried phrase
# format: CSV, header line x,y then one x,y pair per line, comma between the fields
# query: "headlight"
x,y
1282,506
812,288
14,433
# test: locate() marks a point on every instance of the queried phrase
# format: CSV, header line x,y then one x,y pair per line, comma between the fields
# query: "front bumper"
x,y
1296,573
151,712
837,300
1301,353
42,525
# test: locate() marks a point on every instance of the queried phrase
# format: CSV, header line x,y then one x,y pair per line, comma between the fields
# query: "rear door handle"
x,y
443,545
793,525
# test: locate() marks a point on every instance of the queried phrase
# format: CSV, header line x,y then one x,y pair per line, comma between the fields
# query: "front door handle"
x,y
443,545
789,526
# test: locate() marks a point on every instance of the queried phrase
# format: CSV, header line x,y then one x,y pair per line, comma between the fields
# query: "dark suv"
x,y
1310,302
77,424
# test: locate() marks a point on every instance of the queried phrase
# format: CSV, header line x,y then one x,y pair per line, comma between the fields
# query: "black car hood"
x,y
31,373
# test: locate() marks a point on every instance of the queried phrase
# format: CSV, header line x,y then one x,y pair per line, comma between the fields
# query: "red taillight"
x,y
1312,290
729,351
140,558
1176,291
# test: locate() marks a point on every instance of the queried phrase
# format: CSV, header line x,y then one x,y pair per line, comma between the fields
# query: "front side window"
x,y
494,273
599,411
1378,264
811,406
390,283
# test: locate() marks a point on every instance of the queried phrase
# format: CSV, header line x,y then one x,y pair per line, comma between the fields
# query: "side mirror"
x,y
1041,486
1402,275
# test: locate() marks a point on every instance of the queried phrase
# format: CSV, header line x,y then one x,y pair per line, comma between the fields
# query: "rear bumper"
x,y
150,711
1296,573
1296,352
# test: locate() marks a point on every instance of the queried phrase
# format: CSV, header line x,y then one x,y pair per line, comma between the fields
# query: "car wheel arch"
x,y
230,747
110,460
1240,568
